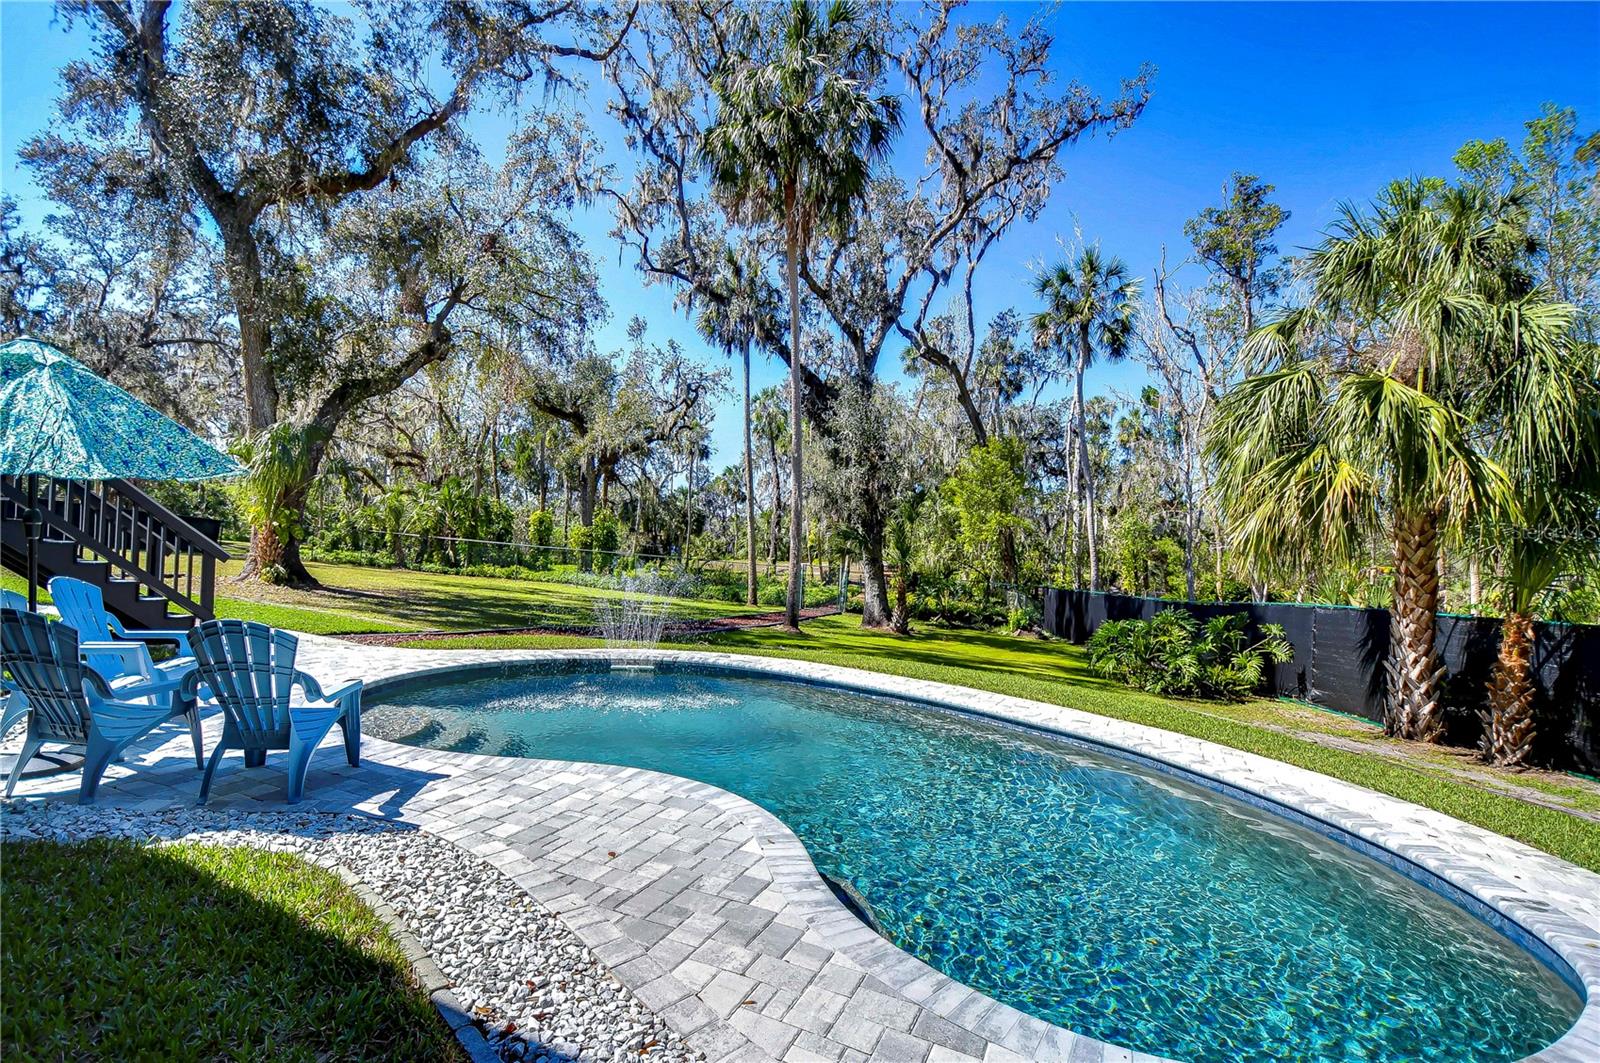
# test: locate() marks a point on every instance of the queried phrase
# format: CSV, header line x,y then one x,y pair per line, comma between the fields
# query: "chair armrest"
x,y
189,686
180,638
133,654
138,686
346,692
313,689
94,679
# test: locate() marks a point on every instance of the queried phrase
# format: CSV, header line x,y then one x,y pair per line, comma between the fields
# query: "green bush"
x,y
1173,654
541,528
604,536
364,558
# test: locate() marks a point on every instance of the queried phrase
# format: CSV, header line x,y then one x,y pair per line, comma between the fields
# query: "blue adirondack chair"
x,y
249,669
69,702
13,706
111,649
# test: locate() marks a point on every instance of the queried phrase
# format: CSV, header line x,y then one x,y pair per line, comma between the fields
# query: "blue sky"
x,y
1326,101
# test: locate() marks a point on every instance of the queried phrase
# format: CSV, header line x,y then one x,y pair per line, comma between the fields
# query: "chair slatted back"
x,y
13,600
83,606
249,668
43,661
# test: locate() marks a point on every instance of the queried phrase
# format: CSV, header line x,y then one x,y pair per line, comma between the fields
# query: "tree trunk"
x,y
566,515
544,474
749,491
1085,474
274,558
586,494
777,509
260,391
1413,668
874,580
1474,584
797,573
980,432
688,512
1074,508
1190,516
1508,738
242,264
902,613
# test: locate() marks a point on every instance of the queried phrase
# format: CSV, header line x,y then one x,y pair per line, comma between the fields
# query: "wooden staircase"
x,y
145,559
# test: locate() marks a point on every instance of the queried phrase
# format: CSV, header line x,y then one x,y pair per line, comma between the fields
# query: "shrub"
x,y
1173,654
541,528
364,558
1018,620
604,537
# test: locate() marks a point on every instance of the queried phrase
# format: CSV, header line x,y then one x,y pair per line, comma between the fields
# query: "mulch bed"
x,y
710,625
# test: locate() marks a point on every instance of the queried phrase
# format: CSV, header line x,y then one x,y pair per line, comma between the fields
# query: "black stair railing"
x,y
137,537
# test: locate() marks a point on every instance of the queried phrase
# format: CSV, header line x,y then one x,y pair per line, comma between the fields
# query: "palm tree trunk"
x,y
1509,738
1074,508
1190,518
1085,476
749,491
777,509
1413,667
688,512
797,573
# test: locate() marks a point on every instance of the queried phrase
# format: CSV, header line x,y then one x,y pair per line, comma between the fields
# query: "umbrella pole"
x,y
30,529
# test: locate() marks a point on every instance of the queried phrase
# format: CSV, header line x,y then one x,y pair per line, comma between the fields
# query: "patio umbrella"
x,y
59,419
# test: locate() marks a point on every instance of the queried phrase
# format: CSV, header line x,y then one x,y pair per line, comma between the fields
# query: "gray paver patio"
x,y
708,908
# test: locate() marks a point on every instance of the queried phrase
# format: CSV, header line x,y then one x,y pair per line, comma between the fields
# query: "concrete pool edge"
x,y
1485,868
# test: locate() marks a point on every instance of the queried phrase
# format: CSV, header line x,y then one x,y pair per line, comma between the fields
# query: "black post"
x,y
32,526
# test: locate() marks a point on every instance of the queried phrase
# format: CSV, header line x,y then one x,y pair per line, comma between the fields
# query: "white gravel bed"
x,y
539,995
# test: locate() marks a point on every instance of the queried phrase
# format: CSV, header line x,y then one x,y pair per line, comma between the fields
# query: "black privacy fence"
x,y
1339,653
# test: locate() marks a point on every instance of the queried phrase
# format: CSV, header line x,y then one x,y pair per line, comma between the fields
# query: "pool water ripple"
x,y
1092,892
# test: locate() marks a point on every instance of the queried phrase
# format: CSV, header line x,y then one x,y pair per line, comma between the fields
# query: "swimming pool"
x,y
1104,896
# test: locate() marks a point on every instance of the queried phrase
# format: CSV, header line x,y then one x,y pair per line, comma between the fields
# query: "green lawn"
x,y
116,951
1058,673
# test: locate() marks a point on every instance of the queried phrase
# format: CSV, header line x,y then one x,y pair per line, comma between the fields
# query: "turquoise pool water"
x,y
1089,891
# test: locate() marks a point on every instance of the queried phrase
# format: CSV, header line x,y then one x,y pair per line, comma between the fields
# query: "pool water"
x,y
1094,893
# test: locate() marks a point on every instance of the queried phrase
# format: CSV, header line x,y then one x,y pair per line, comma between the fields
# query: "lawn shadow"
x,y
201,954
934,647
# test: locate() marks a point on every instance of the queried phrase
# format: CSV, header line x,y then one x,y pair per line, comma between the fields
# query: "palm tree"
x,y
1549,442
743,305
280,472
902,551
1370,421
1089,310
796,132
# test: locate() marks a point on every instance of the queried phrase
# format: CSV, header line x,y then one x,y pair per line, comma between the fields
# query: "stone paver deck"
x,y
710,910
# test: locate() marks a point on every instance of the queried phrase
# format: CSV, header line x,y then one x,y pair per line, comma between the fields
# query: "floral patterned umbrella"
x,y
59,419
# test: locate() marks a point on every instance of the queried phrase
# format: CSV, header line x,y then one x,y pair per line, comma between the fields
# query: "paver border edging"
x,y
423,968
1478,876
